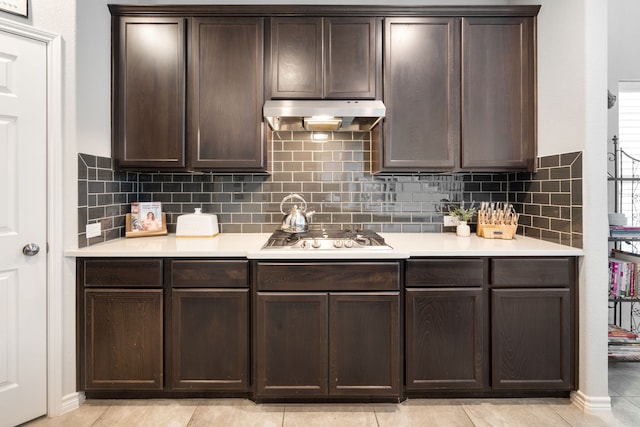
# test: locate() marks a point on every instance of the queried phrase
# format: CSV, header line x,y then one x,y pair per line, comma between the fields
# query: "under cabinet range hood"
x,y
323,115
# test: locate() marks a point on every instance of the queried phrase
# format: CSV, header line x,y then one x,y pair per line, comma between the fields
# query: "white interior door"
x,y
23,222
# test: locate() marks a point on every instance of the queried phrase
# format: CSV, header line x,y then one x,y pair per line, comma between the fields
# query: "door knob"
x,y
31,249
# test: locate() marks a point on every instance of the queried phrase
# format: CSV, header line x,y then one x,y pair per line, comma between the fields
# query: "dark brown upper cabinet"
x,y
325,57
460,95
225,129
216,125
498,93
459,83
148,93
422,95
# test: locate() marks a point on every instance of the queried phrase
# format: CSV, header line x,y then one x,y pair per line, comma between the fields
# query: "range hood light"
x,y
322,123
323,115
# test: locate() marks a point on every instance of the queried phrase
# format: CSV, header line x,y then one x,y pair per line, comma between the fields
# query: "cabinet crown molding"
x,y
321,10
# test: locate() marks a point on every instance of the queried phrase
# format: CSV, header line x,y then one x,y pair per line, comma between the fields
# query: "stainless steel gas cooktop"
x,y
327,239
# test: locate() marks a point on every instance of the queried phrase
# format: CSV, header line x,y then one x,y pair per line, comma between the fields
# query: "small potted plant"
x,y
463,215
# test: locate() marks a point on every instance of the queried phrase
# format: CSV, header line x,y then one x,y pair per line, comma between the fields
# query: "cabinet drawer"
x,y
446,272
121,272
329,276
209,273
546,272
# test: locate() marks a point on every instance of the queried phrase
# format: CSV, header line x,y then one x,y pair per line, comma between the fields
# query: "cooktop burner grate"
x,y
326,239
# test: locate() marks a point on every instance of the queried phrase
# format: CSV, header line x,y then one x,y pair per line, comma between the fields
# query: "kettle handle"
x,y
291,197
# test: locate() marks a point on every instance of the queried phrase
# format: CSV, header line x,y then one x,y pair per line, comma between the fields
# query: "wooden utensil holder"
x,y
489,231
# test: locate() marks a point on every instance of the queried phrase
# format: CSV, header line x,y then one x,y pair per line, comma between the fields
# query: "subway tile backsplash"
x,y
550,200
333,176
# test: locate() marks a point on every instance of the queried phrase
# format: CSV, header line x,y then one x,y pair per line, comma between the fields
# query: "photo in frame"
x,y
145,219
16,7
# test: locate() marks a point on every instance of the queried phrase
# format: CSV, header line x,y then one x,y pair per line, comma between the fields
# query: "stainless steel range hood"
x,y
323,115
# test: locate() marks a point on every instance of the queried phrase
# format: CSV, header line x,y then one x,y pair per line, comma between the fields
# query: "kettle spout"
x,y
309,213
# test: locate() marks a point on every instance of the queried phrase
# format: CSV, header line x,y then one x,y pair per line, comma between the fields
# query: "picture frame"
x,y
129,232
15,7
145,219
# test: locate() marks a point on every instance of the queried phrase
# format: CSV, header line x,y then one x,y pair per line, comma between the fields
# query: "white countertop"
x,y
248,245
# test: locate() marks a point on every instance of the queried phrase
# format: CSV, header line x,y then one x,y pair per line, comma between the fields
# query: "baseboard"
x,y
72,401
591,405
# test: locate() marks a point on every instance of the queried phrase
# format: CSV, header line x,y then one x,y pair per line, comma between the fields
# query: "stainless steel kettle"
x,y
296,219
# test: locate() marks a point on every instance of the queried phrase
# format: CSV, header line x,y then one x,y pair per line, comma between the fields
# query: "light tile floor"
x,y
624,389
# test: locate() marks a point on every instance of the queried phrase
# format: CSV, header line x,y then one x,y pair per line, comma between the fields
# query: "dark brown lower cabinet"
x,y
152,327
446,321
490,326
291,344
532,339
446,347
123,344
533,321
327,330
364,344
325,344
210,339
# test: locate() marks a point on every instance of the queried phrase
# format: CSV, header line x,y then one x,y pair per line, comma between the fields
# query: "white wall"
x,y
593,301
572,72
560,77
93,77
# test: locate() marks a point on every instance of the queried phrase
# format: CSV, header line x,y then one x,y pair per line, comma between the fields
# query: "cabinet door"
x,y
123,339
226,94
422,95
364,349
531,339
210,339
334,57
148,105
296,57
351,57
291,344
445,339
498,93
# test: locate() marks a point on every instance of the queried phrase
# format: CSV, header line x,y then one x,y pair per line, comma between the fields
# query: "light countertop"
x,y
248,245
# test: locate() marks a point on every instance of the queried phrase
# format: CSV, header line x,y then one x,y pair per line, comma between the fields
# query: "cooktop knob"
x,y
304,244
348,243
337,243
316,243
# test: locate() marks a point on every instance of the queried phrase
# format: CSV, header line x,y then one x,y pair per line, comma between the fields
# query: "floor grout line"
x,y
464,409
284,410
559,415
375,415
101,415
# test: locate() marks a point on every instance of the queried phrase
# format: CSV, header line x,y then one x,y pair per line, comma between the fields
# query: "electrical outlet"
x,y
450,221
93,230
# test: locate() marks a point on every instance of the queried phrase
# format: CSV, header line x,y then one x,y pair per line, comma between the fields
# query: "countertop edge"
x,y
405,245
